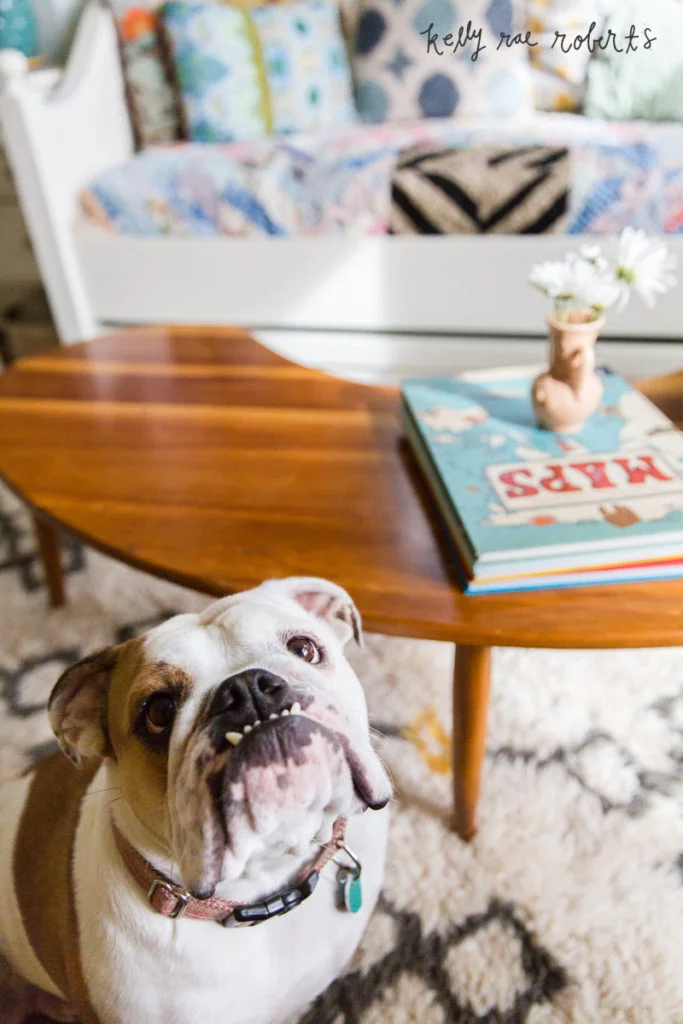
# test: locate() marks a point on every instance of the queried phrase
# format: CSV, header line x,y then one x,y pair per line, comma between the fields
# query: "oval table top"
x,y
203,457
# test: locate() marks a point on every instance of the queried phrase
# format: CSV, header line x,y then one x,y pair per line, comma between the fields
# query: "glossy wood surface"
x,y
201,456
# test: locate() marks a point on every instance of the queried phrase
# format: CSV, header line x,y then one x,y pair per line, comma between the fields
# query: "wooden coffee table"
x,y
204,458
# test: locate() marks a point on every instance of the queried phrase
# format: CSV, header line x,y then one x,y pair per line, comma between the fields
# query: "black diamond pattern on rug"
x,y
426,956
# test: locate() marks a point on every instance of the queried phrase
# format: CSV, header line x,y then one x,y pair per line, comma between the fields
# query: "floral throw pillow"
x,y
559,68
152,101
440,58
244,73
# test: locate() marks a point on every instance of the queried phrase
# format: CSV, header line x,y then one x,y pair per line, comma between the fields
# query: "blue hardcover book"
x,y
527,507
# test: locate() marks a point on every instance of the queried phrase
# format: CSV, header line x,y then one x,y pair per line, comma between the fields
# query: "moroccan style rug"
x,y
567,906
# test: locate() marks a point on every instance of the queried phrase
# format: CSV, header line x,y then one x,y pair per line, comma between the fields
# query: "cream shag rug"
x,y
568,905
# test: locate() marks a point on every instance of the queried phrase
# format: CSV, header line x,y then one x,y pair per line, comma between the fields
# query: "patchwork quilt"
x,y
339,183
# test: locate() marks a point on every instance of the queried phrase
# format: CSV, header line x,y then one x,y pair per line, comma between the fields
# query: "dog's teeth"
x,y
285,712
247,729
296,708
233,737
271,717
257,722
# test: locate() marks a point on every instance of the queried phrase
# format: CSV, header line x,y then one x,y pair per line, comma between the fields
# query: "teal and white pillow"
x,y
401,76
307,68
245,73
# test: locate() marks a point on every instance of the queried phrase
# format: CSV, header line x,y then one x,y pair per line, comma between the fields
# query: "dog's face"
x,y
237,733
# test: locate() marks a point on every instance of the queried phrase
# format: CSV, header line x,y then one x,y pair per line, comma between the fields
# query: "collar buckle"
x,y
246,915
180,895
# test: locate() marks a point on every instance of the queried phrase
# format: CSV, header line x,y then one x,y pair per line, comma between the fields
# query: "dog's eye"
x,y
159,714
303,647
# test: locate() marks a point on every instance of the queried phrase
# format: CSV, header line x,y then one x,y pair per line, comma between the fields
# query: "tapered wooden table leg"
x,y
470,706
48,545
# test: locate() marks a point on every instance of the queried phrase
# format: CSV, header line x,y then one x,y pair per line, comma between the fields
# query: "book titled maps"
x,y
528,508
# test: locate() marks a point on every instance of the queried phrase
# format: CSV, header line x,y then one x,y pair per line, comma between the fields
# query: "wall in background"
x,y
57,21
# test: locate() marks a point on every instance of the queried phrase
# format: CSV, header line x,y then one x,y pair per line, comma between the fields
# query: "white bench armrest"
x,y
60,131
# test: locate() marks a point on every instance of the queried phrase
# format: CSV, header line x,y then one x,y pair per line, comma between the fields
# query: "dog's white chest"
x,y
189,971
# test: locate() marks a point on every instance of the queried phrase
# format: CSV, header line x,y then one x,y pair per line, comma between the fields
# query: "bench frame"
x,y
61,130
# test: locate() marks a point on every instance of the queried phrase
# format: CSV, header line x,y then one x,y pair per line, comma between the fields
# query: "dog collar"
x,y
174,901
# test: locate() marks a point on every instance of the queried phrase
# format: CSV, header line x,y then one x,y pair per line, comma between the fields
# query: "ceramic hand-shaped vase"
x,y
570,390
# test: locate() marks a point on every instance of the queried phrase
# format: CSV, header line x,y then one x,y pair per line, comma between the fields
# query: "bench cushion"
x,y
340,182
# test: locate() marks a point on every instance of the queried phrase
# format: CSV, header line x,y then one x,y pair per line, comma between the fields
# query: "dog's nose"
x,y
253,695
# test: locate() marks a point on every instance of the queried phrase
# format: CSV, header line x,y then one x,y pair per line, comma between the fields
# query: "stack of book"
x,y
528,508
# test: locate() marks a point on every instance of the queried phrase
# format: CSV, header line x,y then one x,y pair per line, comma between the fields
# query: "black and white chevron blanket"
x,y
505,190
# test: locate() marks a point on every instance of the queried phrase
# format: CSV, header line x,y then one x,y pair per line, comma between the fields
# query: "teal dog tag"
x,y
351,890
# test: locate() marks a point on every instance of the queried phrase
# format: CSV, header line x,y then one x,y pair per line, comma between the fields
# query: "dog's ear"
x,y
78,706
327,601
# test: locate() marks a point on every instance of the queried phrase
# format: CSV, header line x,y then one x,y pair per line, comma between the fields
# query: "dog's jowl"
x,y
212,844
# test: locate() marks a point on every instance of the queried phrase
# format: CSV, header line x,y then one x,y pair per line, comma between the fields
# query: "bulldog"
x,y
213,843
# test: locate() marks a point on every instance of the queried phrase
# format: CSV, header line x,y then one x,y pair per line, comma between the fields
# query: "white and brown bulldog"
x,y
217,772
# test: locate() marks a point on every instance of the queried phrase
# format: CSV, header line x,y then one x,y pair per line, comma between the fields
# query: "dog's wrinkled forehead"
x,y
183,642
232,634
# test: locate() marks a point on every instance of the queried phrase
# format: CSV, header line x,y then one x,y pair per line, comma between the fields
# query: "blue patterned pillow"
x,y
247,72
306,65
407,63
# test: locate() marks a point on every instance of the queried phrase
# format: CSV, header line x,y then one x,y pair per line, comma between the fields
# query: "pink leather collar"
x,y
173,901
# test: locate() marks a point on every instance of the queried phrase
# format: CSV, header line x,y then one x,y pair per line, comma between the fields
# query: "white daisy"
x,y
578,282
598,292
593,254
592,286
586,282
551,277
644,265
